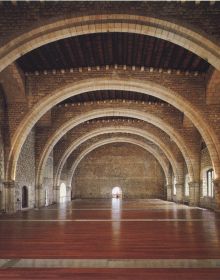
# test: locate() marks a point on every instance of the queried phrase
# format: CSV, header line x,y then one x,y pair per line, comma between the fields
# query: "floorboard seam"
x,y
10,263
112,263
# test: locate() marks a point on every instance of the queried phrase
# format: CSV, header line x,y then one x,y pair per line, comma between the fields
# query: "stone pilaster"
x,y
194,193
40,196
216,183
68,193
169,192
179,192
56,194
10,203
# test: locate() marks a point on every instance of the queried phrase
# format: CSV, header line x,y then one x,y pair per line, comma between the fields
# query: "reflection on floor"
x,y
90,239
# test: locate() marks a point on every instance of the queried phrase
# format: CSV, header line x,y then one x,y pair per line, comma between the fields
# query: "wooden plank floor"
x,y
111,229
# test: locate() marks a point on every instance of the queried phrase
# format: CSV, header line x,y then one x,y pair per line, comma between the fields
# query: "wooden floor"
x,y
111,239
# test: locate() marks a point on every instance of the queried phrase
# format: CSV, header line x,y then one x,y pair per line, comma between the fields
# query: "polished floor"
x,y
111,239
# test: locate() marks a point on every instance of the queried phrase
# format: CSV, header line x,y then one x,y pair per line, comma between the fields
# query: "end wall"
x,y
125,165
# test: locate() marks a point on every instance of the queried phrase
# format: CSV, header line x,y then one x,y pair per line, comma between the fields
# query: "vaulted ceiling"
x,y
109,49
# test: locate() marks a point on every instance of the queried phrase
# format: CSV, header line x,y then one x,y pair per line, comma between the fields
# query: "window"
x,y
62,192
46,197
186,185
209,181
174,185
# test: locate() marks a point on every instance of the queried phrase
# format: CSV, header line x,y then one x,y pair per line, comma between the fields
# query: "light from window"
x,y
174,185
116,192
186,187
62,192
210,187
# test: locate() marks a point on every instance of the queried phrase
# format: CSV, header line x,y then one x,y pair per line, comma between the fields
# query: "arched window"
x,y
46,197
210,188
24,197
116,192
62,192
186,185
174,185
207,182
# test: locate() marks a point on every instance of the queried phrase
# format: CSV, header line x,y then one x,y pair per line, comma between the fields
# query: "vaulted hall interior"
x,y
109,139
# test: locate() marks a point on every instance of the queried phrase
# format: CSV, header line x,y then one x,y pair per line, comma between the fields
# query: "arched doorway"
x,y
24,197
62,192
46,197
116,192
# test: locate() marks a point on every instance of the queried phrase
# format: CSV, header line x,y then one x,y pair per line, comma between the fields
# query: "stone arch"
x,y
213,88
126,84
141,144
128,130
115,112
68,27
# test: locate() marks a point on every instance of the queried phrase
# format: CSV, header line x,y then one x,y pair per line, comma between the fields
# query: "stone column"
x,y
169,192
40,196
194,193
10,203
2,196
179,192
56,194
216,183
68,193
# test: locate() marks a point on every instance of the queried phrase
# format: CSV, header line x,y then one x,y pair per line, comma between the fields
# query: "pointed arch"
x,y
64,27
127,84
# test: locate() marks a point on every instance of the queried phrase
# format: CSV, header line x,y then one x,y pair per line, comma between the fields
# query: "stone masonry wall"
x,y
25,175
133,169
206,164
48,180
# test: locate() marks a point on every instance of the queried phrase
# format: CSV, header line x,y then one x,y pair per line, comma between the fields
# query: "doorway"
x,y
24,197
116,192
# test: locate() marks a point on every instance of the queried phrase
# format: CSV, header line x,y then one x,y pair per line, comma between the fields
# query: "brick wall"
x,y
202,17
213,87
186,85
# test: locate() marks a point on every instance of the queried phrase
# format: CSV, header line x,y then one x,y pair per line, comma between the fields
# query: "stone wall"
x,y
25,175
206,164
133,169
47,186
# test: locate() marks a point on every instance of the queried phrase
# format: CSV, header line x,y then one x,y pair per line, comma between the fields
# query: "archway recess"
x,y
117,113
128,130
132,84
78,25
100,143
117,192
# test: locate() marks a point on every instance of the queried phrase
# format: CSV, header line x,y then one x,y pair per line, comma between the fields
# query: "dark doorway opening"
x,y
24,197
